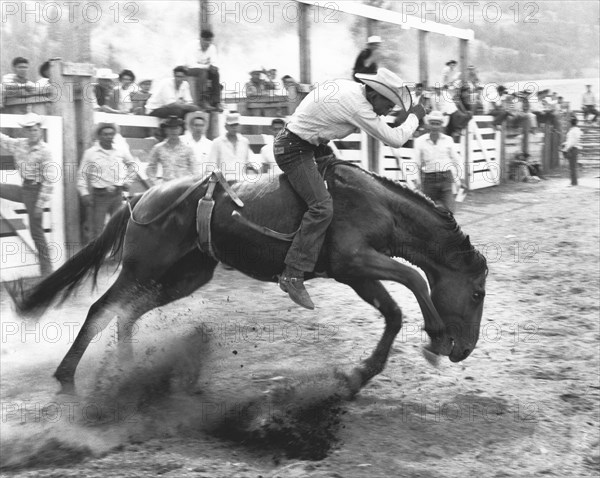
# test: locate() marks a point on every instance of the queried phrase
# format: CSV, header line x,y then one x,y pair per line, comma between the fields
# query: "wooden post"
x,y
373,146
73,102
503,162
204,19
464,58
423,58
547,150
525,139
304,37
467,154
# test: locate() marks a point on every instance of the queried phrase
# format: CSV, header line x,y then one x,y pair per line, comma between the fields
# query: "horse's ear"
x,y
467,243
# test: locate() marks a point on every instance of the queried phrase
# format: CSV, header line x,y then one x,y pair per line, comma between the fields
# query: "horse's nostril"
x,y
466,353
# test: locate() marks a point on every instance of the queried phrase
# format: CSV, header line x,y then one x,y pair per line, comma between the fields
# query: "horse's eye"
x,y
478,296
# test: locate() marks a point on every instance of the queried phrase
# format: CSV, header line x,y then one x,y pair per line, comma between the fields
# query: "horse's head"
x,y
458,298
457,285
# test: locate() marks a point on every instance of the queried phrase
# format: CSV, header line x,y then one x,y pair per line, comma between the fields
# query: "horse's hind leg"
x,y
124,298
373,292
185,276
128,299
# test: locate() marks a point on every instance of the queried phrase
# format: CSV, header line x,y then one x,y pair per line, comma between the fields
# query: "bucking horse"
x,y
375,220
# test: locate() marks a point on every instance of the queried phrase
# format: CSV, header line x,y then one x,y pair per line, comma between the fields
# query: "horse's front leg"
x,y
374,293
373,265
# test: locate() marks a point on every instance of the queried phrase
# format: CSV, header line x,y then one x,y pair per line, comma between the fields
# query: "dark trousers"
x,y
174,109
572,154
202,75
438,186
296,158
104,202
589,110
28,195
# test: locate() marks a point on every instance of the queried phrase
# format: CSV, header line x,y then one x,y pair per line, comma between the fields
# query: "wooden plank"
x,y
304,40
405,21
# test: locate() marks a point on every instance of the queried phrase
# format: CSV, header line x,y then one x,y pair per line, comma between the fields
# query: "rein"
x,y
176,203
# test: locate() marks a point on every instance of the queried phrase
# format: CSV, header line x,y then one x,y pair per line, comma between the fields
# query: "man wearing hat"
x,y
33,159
321,117
103,174
175,157
104,91
437,162
256,86
366,62
230,152
449,74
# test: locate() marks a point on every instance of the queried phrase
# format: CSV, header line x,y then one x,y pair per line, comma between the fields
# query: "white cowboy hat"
x,y
105,74
29,120
232,117
436,116
374,39
388,84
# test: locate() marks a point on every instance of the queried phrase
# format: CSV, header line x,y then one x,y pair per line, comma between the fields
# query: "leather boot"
x,y
292,282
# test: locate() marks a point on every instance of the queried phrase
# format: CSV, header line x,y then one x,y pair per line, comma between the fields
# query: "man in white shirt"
x,y
230,152
203,65
437,162
333,111
172,96
571,149
194,137
103,174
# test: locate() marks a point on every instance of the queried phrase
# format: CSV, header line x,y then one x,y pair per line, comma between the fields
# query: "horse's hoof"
x,y
67,389
352,383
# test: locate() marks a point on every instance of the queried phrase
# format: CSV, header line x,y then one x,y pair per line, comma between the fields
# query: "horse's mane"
x,y
471,257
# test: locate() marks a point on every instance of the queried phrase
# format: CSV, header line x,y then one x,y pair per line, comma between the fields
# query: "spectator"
x,y
32,158
450,76
45,75
172,96
271,82
104,92
472,80
571,148
140,98
103,174
256,87
437,162
17,83
367,60
203,65
266,152
176,158
195,138
588,104
230,152
124,90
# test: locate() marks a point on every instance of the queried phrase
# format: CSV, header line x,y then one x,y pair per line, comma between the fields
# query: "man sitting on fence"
x,y
588,104
17,83
172,96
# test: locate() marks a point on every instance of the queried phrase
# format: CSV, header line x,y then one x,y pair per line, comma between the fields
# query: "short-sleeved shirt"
x,y
177,161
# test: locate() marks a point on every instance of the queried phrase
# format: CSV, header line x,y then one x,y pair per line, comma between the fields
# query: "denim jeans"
x,y
572,157
438,186
28,195
296,158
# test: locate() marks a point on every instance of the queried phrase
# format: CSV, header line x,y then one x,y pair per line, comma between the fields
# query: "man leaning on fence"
x,y
33,159
103,175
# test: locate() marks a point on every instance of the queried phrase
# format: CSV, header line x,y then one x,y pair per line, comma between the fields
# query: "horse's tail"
x,y
68,277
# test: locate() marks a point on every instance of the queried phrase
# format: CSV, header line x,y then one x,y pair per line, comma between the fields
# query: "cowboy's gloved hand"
x,y
400,117
418,111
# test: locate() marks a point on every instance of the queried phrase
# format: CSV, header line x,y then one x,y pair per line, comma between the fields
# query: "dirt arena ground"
x,y
235,381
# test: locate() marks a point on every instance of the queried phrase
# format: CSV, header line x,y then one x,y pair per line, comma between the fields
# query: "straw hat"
x,y
388,84
105,74
374,39
29,120
436,116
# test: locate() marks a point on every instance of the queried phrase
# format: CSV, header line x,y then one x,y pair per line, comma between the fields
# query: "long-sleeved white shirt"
x,y
338,108
165,93
573,139
102,168
436,157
